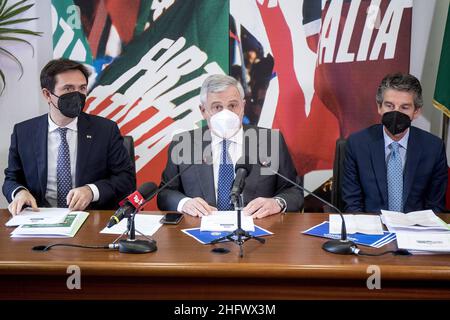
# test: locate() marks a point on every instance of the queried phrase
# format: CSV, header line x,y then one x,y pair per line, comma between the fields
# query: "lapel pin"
x,y
88,136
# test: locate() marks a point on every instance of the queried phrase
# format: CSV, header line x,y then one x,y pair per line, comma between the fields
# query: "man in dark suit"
x,y
67,158
207,157
393,166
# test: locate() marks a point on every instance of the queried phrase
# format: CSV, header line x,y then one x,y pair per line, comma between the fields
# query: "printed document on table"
x,y
424,241
356,223
424,220
147,224
43,216
226,221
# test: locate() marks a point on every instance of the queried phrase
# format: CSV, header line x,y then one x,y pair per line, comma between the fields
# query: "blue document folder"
x,y
370,240
205,237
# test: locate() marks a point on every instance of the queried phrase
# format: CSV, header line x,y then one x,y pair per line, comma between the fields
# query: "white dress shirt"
x,y
235,151
403,142
53,142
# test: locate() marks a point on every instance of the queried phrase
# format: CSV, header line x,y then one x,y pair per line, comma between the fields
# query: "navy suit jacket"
x,y
198,181
101,159
364,186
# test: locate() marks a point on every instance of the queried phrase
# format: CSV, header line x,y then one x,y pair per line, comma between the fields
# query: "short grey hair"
x,y
218,83
401,82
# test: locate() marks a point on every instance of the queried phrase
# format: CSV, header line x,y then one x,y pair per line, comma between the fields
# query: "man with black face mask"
x,y
394,166
67,158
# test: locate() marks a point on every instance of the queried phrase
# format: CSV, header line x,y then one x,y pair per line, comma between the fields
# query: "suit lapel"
x,y
40,150
85,139
379,160
413,154
205,172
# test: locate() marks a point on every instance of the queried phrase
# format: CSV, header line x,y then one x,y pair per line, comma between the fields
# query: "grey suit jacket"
x,y
190,154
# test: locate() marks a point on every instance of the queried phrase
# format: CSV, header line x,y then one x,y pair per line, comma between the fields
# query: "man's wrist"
x,y
281,203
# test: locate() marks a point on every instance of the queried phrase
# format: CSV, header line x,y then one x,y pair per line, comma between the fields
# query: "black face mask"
x,y
70,104
396,122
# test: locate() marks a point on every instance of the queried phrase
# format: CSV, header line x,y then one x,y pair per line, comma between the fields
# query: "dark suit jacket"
x,y
101,159
198,180
364,186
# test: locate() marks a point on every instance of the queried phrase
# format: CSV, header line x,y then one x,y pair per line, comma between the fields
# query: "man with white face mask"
x,y
206,186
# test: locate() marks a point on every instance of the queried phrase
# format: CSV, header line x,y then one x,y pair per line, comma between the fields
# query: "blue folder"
x,y
205,237
370,240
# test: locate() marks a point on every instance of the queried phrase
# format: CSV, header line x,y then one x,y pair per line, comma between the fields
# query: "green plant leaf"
x,y
13,57
2,5
7,10
6,15
4,23
2,77
18,40
19,31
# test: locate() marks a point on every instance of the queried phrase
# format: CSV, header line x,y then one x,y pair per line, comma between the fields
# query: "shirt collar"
x,y
53,126
403,142
237,138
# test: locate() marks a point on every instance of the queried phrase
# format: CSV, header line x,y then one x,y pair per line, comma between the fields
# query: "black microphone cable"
x,y
398,252
46,248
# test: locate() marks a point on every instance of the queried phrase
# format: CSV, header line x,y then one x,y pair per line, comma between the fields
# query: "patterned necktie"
x,y
395,178
226,177
63,175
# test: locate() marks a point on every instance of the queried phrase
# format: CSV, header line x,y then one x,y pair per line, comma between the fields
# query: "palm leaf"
x,y
2,5
4,23
2,77
20,31
10,8
8,16
18,40
13,57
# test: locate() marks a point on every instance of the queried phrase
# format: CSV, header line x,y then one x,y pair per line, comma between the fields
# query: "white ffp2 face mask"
x,y
225,123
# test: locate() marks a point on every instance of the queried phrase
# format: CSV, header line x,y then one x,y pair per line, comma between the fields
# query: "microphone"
x,y
242,169
133,202
342,246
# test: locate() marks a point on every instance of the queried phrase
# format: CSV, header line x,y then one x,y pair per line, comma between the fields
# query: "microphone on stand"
x,y
342,246
132,202
242,171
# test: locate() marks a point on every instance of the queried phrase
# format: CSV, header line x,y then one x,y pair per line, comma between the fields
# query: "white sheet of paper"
x,y
356,223
147,224
424,241
226,221
413,221
43,216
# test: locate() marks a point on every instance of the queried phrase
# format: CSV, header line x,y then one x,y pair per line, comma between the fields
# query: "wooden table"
x,y
288,266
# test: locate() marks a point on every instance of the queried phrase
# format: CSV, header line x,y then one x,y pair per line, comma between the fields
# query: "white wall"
x,y
21,99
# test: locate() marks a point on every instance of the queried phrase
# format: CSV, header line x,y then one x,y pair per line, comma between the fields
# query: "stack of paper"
x,y
226,221
68,228
424,220
43,216
356,223
424,242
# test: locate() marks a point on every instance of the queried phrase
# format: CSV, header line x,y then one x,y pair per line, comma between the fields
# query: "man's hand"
x,y
262,207
197,207
21,199
79,198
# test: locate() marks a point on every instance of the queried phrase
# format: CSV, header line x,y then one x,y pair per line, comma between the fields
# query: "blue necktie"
x,y
226,177
395,178
63,175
